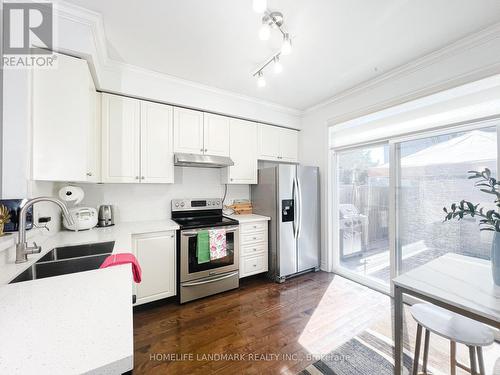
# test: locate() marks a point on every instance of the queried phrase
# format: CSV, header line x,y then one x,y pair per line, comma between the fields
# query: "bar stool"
x,y
454,327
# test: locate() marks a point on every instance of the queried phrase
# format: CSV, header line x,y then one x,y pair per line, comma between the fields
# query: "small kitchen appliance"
x,y
197,280
106,216
84,218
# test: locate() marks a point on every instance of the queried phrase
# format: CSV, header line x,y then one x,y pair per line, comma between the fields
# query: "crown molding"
x,y
473,40
95,22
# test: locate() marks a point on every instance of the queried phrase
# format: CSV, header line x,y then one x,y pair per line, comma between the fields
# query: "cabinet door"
x,y
61,120
120,138
243,151
157,156
216,134
188,131
157,257
269,144
289,145
94,140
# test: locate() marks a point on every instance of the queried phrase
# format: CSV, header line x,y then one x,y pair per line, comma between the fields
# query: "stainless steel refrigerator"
x,y
289,194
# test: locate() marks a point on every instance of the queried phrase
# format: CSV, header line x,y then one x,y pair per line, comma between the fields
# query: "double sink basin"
x,y
68,259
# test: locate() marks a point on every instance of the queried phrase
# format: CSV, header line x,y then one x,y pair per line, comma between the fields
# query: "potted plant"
x,y
4,218
490,219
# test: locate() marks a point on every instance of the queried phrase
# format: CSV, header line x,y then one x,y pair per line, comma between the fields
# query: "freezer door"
x,y
308,236
287,247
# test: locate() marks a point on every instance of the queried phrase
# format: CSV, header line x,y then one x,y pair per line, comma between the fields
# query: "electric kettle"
x,y
106,216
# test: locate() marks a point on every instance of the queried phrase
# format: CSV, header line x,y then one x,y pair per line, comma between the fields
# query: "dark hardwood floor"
x,y
266,328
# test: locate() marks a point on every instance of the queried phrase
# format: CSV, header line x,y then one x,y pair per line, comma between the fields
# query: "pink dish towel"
x,y
124,258
218,246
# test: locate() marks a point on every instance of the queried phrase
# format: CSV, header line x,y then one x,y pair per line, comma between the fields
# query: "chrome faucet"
x,y
22,248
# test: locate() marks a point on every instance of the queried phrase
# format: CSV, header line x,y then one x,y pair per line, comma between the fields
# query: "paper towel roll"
x,y
73,194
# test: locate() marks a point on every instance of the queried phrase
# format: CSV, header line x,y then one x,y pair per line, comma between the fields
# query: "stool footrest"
x,y
463,367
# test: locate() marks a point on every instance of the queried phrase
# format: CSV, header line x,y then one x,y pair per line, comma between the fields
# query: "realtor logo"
x,y
28,28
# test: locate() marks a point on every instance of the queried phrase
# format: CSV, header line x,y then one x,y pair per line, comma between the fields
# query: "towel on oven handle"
x,y
218,245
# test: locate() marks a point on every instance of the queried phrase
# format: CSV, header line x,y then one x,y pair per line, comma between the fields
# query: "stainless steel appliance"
x,y
197,280
106,216
289,194
203,161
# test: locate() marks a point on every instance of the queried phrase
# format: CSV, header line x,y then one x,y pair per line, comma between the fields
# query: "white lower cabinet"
x,y
254,251
156,254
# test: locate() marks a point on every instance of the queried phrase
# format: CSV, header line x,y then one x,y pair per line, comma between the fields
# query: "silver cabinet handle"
x,y
142,177
206,150
136,177
195,283
89,174
201,150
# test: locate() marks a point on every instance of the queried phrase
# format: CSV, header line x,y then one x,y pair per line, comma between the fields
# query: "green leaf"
x,y
445,209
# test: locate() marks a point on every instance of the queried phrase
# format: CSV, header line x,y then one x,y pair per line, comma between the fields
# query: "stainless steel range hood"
x,y
203,161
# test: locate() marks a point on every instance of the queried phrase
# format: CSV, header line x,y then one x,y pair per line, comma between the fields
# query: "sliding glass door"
x,y
388,200
362,212
433,174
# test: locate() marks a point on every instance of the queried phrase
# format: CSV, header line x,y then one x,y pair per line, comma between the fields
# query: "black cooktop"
x,y
204,221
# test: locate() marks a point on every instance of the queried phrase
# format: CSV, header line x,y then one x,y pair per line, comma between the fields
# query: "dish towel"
x,y
124,258
218,246
202,247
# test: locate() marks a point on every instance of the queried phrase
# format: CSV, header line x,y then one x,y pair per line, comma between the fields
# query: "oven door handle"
x,y
195,283
195,232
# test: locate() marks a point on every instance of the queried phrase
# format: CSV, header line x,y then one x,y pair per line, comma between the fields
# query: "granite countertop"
x,y
69,324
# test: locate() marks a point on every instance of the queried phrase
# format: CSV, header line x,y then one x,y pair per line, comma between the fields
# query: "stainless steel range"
x,y
197,279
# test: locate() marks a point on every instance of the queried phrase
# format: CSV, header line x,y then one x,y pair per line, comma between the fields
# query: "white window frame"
x,y
333,247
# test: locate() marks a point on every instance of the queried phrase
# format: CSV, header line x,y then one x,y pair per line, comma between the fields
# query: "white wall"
x,y
136,202
468,60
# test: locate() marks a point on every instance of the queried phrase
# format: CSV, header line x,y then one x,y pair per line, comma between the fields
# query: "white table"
x,y
455,282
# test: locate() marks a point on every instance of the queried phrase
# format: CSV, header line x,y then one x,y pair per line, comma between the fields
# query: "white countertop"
x,y
248,218
120,233
457,280
69,324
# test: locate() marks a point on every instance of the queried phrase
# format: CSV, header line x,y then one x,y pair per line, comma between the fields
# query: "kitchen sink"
x,y
69,259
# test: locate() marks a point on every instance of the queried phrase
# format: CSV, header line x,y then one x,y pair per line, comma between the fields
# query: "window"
x,y
433,174
363,210
423,173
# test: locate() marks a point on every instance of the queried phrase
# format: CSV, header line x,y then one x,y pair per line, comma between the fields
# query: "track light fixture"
x,y
271,20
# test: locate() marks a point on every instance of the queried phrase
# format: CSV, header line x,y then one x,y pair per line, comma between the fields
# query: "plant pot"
x,y
495,258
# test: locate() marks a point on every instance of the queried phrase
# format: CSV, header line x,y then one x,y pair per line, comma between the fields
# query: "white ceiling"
x,y
337,43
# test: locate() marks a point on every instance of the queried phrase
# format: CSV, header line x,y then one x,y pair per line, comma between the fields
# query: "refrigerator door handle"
x,y
295,194
299,203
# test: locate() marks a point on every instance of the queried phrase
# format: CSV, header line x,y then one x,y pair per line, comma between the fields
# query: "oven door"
x,y
192,270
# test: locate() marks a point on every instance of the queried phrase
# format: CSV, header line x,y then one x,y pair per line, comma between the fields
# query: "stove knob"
x,y
182,204
218,202
208,203
177,205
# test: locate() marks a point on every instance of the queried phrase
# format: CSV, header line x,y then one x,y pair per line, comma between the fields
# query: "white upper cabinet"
x,y
277,144
243,152
289,143
200,133
157,161
120,139
188,131
65,126
216,134
136,141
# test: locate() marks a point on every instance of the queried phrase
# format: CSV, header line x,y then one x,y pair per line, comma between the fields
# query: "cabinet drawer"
x,y
254,265
257,248
257,226
253,237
